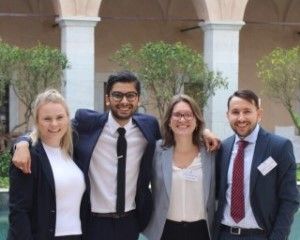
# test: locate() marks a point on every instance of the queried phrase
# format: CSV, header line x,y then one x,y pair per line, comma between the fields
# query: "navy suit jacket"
x,y
32,201
88,126
274,197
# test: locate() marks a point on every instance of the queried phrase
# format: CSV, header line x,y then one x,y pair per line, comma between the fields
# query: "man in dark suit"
x,y
96,148
256,177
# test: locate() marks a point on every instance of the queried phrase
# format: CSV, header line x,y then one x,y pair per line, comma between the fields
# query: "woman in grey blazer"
x,y
183,178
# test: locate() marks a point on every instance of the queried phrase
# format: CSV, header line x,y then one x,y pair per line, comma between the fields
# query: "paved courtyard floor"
x,y
295,234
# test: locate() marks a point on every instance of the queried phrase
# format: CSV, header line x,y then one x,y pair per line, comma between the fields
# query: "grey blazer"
x,y
162,185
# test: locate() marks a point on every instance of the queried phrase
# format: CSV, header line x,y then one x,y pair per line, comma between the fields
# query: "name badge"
x,y
191,175
266,166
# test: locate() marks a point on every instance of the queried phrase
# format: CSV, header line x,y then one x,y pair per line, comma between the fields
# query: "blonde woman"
x,y
183,185
46,204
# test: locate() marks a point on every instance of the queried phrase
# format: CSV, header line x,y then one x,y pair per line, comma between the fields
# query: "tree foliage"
x,y
168,69
30,71
8,57
38,68
280,74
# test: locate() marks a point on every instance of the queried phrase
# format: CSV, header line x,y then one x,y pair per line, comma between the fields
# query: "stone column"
x,y
221,53
14,109
78,43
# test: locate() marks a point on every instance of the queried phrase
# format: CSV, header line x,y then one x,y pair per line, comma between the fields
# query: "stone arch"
x,y
72,8
274,10
292,13
220,10
268,11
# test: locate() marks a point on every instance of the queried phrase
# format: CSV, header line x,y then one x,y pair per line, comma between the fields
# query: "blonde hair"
x,y
52,96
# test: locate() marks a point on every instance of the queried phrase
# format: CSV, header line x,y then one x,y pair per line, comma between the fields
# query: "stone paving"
x,y
295,233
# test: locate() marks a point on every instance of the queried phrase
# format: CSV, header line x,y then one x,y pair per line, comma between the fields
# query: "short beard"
x,y
118,117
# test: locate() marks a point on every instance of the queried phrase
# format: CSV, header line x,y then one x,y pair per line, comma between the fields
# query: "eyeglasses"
x,y
188,116
118,96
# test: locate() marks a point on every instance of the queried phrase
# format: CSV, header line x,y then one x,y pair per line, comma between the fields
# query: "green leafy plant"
x,y
168,69
38,68
8,57
280,74
5,159
30,71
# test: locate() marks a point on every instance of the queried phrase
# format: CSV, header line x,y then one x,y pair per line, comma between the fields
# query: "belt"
x,y
114,215
242,231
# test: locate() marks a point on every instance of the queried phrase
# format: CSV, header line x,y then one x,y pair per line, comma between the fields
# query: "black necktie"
x,y
121,177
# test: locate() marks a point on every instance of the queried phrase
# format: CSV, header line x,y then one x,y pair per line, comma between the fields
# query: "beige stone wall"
x,y
140,21
257,39
25,23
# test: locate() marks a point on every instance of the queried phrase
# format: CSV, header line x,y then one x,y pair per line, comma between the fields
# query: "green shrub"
x,y
298,172
5,158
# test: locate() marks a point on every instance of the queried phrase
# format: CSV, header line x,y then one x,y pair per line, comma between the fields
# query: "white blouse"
x,y
186,199
69,188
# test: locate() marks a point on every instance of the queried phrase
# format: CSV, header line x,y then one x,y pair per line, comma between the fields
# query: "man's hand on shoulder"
x,y
212,142
21,158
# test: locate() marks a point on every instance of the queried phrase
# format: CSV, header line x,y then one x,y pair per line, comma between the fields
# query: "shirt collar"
x,y
113,125
251,138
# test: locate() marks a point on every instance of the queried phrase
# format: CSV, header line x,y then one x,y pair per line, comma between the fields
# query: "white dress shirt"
x,y
249,220
104,165
69,188
186,197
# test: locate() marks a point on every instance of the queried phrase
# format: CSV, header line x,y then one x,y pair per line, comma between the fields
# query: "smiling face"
x,y
182,121
243,116
52,123
122,108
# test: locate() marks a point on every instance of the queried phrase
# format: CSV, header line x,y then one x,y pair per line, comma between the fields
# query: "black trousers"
x,y
185,230
73,237
106,228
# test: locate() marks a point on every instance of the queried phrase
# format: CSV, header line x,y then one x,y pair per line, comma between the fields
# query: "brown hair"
x,y
168,137
247,95
52,96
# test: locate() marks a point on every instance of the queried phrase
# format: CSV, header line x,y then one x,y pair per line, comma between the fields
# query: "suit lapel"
x,y
207,175
167,156
46,167
144,128
227,149
258,156
91,140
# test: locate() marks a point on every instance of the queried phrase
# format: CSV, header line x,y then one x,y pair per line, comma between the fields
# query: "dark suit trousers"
x,y
104,228
228,236
185,230
73,237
